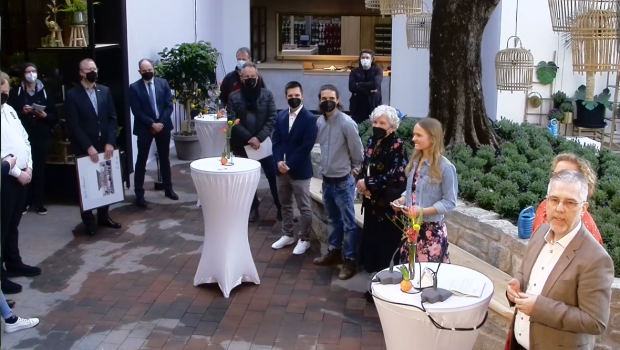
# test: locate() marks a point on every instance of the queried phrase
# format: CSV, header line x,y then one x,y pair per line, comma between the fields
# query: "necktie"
x,y
152,98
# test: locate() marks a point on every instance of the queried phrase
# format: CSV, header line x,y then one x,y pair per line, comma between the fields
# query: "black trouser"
x,y
162,141
269,167
39,145
13,201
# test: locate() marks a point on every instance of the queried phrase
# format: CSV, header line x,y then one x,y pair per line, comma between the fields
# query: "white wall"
x,y
534,29
153,25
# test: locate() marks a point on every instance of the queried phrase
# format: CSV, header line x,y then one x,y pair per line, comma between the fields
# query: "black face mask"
x,y
91,76
327,106
250,83
5,97
378,133
294,102
148,75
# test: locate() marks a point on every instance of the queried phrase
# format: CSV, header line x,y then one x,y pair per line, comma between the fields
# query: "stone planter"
x,y
187,147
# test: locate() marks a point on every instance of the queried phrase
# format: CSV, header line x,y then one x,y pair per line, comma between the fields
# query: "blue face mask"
x,y
241,64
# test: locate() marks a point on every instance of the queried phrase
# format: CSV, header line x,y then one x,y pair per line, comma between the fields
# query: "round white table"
x,y
226,258
212,139
406,327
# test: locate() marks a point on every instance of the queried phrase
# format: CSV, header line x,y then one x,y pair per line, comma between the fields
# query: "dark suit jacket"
x,y
85,125
259,127
232,82
296,144
144,115
574,304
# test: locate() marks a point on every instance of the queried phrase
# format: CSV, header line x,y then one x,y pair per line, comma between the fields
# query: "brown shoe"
x,y
333,257
348,270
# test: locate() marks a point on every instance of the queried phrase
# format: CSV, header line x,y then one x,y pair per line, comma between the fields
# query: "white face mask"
x,y
365,63
241,64
31,77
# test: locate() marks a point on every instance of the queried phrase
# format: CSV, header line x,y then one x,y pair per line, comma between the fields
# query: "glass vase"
x,y
412,255
228,154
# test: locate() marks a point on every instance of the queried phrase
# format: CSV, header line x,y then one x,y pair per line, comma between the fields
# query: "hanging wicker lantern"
x,y
373,4
564,12
400,7
419,30
514,68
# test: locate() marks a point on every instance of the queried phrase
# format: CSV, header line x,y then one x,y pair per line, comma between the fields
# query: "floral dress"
x,y
432,240
383,172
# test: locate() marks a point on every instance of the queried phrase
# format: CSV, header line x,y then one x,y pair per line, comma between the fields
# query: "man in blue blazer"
x,y
150,99
294,137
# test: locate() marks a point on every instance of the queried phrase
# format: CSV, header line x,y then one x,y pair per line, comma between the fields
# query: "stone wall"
x,y
483,234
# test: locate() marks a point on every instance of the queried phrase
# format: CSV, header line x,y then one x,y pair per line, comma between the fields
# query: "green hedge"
x,y
517,174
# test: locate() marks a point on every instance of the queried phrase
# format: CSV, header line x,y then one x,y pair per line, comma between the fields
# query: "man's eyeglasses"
x,y
567,203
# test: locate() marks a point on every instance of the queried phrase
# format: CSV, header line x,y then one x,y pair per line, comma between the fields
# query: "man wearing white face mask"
x,y
365,86
232,81
38,115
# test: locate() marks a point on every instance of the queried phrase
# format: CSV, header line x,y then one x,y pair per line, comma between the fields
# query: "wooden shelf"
x,y
99,47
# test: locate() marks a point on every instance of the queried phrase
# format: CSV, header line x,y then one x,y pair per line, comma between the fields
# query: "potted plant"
x,y
567,110
559,98
546,72
189,68
591,113
556,113
78,10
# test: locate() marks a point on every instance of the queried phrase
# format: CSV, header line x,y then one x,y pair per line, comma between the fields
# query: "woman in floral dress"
x,y
381,180
431,188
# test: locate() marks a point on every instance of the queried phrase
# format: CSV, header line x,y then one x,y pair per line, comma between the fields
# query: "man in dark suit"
x,y
294,137
256,110
150,99
92,120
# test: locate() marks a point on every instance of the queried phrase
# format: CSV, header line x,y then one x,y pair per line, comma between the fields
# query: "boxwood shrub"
x,y
516,175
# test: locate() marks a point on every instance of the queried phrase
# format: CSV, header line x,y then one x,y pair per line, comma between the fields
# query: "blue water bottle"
x,y
553,127
526,222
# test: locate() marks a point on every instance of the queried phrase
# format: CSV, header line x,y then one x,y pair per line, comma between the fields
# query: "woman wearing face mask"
x,y
381,180
38,123
431,189
365,86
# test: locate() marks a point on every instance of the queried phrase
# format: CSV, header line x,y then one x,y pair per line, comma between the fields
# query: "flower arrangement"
x,y
227,130
410,224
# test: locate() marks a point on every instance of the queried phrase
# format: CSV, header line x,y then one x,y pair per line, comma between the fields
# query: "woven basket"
x,y
419,30
594,45
564,12
514,68
400,7
373,4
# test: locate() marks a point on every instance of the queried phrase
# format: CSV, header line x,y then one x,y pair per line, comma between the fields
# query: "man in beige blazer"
x,y
562,290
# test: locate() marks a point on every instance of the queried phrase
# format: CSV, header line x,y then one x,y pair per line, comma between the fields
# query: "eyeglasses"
x,y
567,203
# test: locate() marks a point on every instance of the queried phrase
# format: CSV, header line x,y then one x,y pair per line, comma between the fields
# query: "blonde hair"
x,y
5,78
434,130
584,167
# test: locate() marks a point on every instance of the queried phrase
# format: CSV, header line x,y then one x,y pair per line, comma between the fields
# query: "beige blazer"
x,y
574,304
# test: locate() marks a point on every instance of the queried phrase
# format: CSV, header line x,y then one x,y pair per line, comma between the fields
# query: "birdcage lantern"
x,y
400,7
419,30
594,42
373,4
514,67
564,12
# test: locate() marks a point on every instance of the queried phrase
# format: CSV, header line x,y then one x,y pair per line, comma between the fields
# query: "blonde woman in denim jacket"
x,y
431,188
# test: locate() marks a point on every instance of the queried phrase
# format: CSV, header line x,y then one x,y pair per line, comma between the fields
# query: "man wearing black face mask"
x,y
256,110
293,139
150,99
91,117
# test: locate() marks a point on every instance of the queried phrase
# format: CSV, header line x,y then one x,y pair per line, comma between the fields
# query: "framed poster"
x,y
100,183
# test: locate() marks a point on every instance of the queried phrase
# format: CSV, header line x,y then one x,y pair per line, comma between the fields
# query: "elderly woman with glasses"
x,y
381,180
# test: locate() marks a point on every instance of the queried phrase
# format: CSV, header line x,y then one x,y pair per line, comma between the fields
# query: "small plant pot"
x,y
592,119
568,118
79,18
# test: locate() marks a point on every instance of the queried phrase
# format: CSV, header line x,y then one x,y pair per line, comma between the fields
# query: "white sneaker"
x,y
283,242
301,247
22,323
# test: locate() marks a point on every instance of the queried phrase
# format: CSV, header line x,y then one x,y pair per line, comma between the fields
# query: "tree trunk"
x,y
456,98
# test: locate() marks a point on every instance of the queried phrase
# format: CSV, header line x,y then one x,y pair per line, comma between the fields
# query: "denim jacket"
x,y
441,195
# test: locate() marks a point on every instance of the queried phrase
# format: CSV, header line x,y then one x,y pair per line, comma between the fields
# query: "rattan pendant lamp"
x,y
419,29
564,12
400,7
373,4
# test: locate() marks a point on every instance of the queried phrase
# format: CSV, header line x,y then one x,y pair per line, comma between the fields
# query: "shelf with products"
x,y
383,40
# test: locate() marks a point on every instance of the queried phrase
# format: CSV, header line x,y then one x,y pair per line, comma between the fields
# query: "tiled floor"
x,y
132,288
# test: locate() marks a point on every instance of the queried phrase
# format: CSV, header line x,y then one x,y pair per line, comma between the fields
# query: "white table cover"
x,y
226,258
405,327
212,139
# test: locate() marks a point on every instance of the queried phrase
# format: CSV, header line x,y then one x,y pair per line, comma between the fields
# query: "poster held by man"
x,y
100,183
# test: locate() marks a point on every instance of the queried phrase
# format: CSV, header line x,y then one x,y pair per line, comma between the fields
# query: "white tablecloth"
x,y
406,327
229,190
212,139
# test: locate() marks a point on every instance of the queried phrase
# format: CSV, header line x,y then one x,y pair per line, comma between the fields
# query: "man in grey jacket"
x,y
341,159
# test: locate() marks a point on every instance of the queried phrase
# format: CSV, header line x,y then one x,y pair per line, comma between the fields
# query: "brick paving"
x,y
133,288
